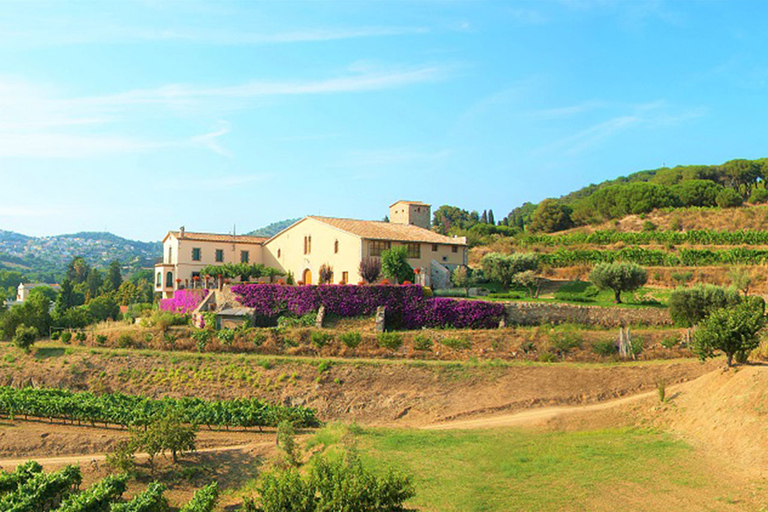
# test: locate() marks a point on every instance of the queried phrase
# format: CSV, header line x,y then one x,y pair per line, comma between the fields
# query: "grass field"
x,y
515,469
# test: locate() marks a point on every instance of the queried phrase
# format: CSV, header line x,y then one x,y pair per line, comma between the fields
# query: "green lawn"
x,y
515,469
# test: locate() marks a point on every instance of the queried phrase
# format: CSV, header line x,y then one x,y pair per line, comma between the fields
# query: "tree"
x,y
742,173
689,306
491,218
46,291
163,433
286,442
461,277
619,277
94,282
446,217
68,297
77,270
104,307
741,279
551,216
697,192
729,198
114,277
529,280
502,268
395,266
520,217
25,337
731,330
484,217
370,269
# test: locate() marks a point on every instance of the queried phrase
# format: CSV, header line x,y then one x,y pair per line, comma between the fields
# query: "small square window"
x,y
219,255
244,257
455,248
196,254
434,247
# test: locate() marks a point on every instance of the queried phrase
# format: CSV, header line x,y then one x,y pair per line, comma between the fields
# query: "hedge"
x,y
407,307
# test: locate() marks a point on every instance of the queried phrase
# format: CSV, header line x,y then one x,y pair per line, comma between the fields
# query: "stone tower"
x,y
411,212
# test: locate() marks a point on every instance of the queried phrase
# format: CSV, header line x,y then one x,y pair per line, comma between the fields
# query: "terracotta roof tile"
x,y
376,230
212,237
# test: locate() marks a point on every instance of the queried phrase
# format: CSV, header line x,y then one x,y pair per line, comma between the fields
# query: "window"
x,y
169,280
170,255
434,247
219,255
455,248
244,257
307,245
414,250
196,254
159,281
336,247
345,277
278,253
377,247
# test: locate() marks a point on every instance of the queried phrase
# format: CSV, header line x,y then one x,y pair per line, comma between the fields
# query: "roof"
x,y
377,230
235,312
417,203
213,237
36,285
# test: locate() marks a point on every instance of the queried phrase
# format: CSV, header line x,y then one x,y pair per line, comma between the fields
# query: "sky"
x,y
137,117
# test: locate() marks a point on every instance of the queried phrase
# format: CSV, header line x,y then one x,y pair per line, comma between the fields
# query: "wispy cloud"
x,y
210,140
564,112
528,16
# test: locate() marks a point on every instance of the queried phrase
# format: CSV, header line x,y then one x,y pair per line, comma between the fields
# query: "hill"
x,y
272,229
46,258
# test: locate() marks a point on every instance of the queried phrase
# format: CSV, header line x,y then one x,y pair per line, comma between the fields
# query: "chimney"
x,y
181,232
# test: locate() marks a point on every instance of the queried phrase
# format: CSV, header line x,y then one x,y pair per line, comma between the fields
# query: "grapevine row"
x,y
656,257
607,237
9,482
97,497
127,410
44,491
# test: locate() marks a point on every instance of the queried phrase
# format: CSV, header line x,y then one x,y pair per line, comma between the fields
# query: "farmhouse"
x,y
302,248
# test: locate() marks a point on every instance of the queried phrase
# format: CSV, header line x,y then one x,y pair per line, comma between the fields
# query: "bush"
x,y
66,337
390,340
321,339
80,336
395,266
124,341
226,336
422,342
605,348
670,342
306,320
547,357
259,338
649,226
457,343
758,195
202,337
55,335
370,269
25,337
101,339
566,342
729,198
351,339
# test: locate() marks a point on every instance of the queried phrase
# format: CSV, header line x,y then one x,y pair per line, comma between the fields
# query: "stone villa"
x,y
313,241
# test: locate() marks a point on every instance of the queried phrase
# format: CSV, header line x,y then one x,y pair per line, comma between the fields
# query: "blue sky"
x,y
141,116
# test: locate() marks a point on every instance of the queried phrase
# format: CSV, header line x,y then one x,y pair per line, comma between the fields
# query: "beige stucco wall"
x,y
286,251
443,255
403,212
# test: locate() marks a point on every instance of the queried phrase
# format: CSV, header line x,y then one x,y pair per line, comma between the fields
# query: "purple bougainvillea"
x,y
406,305
183,301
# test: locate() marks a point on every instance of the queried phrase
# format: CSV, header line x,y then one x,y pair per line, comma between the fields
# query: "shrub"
x,y
25,337
456,343
80,336
731,330
55,335
101,339
325,274
670,342
351,339
259,338
689,306
649,226
502,268
729,198
183,301
390,340
605,348
124,341
547,357
202,337
395,266
226,336
306,320
422,342
566,342
758,195
320,338
323,366
66,337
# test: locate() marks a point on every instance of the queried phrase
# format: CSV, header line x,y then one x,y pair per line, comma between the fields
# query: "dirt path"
x,y
98,457
538,415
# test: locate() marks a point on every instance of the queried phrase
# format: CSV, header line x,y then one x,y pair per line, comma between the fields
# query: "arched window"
x,y
159,281
335,247
169,280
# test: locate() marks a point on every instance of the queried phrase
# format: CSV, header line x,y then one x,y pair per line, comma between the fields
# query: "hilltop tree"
x,y
520,216
742,174
491,219
729,198
484,217
734,331
619,277
551,216
68,297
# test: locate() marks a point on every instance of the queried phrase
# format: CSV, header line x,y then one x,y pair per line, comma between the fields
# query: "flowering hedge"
x,y
183,301
406,305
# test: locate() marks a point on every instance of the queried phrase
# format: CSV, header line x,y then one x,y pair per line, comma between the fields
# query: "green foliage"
x,y
244,271
422,342
66,337
104,307
226,336
151,500
731,330
41,489
321,338
307,320
758,196
461,277
619,277
286,443
11,481
649,226
697,192
343,485
80,336
204,500
565,342
689,306
605,348
729,198
395,266
97,497
457,343
122,457
529,280
34,312
25,337
502,268
390,340
351,338
617,201
125,341
551,216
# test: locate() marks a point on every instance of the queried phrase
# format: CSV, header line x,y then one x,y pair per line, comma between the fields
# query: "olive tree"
x,y
502,268
733,330
689,306
619,277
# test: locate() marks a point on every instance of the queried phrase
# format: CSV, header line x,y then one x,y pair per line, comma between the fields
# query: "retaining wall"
x,y
536,313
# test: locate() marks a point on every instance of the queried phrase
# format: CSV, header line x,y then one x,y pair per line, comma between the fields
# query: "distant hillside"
x,y
272,229
46,258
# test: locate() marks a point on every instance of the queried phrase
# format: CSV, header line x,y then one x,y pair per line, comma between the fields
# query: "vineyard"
x,y
29,489
607,237
128,410
656,257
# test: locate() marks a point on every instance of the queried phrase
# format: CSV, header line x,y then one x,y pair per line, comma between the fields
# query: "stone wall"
x,y
536,313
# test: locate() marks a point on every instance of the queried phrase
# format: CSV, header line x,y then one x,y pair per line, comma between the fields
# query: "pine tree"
x,y
491,219
484,217
114,278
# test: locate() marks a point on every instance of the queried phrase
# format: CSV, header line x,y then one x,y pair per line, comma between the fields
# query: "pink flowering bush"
x,y
407,308
183,301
